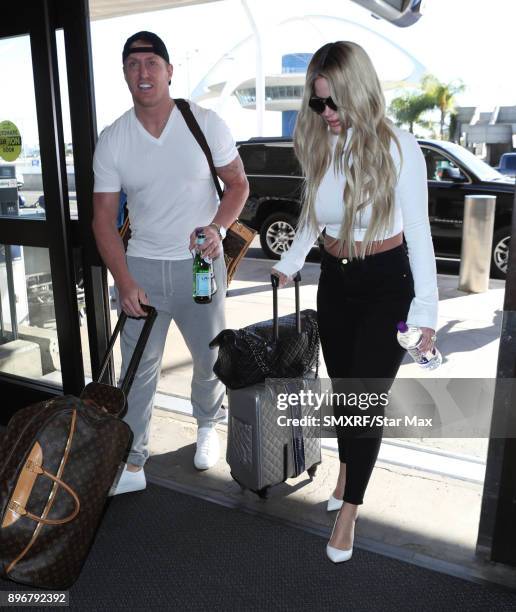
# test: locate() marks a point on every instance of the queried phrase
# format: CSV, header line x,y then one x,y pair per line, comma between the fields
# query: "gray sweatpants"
x,y
168,285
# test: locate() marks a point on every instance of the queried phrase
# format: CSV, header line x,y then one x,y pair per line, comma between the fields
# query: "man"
x,y
150,153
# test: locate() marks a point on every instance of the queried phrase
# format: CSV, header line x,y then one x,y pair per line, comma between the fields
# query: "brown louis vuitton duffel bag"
x,y
60,458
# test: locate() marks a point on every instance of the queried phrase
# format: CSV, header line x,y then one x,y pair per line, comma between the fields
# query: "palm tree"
x,y
443,96
452,127
408,108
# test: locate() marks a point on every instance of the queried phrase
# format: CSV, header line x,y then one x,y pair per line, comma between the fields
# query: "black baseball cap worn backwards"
x,y
154,45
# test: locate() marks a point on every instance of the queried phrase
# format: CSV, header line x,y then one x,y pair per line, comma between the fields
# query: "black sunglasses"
x,y
319,104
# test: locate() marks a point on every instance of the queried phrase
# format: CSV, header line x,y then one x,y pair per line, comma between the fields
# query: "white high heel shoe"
x,y
337,555
334,504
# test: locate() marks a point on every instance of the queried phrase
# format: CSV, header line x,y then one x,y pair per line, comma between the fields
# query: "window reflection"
x,y
19,106
28,336
438,167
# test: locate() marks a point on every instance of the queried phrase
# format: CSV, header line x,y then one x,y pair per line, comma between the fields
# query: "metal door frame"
x,y
58,233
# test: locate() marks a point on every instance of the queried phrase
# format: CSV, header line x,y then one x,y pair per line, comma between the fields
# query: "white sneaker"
x,y
128,482
207,453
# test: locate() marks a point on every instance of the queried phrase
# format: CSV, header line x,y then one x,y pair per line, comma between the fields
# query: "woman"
x,y
366,186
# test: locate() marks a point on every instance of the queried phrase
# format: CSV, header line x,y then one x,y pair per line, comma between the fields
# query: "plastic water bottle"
x,y
409,338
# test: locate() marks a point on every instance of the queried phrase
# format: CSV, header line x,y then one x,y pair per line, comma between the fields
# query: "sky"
x,y
471,40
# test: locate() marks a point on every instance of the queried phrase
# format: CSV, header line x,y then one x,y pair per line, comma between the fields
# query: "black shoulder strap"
x,y
194,127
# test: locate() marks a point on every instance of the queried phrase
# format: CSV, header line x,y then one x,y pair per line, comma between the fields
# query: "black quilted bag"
x,y
283,347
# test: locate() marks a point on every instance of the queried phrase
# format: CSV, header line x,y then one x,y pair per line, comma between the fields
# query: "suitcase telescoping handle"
x,y
275,284
138,351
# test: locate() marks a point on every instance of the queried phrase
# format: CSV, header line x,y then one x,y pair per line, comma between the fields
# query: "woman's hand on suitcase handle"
x,y
131,299
283,278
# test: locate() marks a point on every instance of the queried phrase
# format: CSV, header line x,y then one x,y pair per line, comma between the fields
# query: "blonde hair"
x,y
366,161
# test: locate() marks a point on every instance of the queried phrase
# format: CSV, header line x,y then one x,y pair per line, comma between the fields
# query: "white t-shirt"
x,y
169,187
410,215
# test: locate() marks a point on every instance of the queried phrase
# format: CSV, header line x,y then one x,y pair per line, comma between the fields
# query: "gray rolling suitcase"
x,y
264,448
262,452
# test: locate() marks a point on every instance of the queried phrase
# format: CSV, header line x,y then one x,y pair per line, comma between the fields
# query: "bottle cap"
x,y
199,235
402,327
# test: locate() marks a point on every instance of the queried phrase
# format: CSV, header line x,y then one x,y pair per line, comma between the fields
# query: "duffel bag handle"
x,y
275,284
19,509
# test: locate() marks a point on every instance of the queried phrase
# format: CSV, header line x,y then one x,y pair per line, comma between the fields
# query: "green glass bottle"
x,y
202,274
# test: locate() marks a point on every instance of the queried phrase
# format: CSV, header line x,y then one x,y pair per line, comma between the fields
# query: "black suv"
x,y
276,180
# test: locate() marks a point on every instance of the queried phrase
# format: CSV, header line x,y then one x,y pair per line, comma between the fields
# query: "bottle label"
x,y
203,284
417,355
420,357
411,340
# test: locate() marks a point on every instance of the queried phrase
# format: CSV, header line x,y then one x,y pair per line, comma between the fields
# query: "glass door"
x,y
53,290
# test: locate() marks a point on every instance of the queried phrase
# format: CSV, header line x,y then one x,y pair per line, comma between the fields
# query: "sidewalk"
x,y
468,336
423,501
468,329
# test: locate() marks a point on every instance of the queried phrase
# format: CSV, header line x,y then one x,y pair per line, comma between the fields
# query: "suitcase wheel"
x,y
312,472
263,493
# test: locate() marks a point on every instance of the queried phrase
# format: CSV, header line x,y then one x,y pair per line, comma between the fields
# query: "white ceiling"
x,y
105,9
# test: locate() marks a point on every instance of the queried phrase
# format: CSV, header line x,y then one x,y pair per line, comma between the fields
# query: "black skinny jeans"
x,y
359,303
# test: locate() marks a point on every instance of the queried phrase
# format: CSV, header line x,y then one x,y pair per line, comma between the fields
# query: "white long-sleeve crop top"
x,y
410,216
